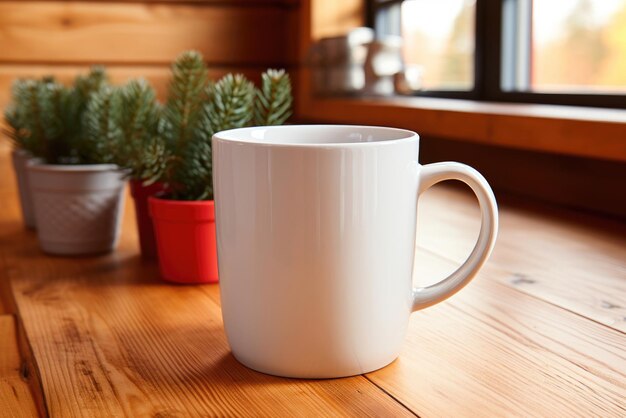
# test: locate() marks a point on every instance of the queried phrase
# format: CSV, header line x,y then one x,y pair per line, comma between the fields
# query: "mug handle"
x,y
432,174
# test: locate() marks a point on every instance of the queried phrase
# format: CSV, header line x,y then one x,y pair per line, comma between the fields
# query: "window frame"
x,y
488,64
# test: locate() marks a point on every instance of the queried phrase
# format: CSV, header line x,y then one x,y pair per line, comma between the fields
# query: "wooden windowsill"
x,y
569,130
589,114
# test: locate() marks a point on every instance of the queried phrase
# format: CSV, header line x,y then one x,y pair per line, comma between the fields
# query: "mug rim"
x,y
229,135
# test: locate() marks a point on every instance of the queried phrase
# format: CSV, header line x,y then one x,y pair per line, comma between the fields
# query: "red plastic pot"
x,y
185,236
140,194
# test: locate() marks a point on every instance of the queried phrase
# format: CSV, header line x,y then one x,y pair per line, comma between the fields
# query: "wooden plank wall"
x,y
579,183
142,38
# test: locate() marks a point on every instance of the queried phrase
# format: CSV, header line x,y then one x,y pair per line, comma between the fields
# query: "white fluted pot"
x,y
20,158
78,208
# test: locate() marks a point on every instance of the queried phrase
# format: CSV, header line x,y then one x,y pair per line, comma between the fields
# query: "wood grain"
x,y
230,3
158,75
572,260
141,33
575,182
326,18
7,194
4,309
509,125
491,351
334,18
15,397
111,339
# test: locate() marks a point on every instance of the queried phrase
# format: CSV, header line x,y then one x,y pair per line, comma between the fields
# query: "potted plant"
x,y
184,217
130,117
23,118
77,194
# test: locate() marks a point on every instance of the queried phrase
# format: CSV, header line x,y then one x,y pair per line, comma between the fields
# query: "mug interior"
x,y
315,134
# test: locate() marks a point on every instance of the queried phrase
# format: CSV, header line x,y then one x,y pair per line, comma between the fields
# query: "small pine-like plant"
x,y
46,117
103,134
85,85
24,117
274,99
122,126
230,103
196,109
40,117
187,129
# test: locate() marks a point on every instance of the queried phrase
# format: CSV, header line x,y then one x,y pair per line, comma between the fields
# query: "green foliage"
x,y
40,117
85,85
185,122
23,115
187,93
230,103
122,126
274,100
103,133
58,118
46,117
93,122
143,148
196,109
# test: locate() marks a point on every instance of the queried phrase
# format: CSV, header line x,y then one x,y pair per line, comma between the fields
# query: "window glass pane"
x,y
578,46
439,42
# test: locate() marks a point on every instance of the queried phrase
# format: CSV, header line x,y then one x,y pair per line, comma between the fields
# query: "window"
x,y
538,51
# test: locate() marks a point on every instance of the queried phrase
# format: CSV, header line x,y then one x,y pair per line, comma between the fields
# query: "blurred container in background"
x,y
357,63
337,62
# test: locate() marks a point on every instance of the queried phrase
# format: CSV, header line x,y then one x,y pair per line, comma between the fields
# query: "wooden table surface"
x,y
540,331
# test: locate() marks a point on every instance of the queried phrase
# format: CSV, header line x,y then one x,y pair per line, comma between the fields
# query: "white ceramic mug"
x,y
316,242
